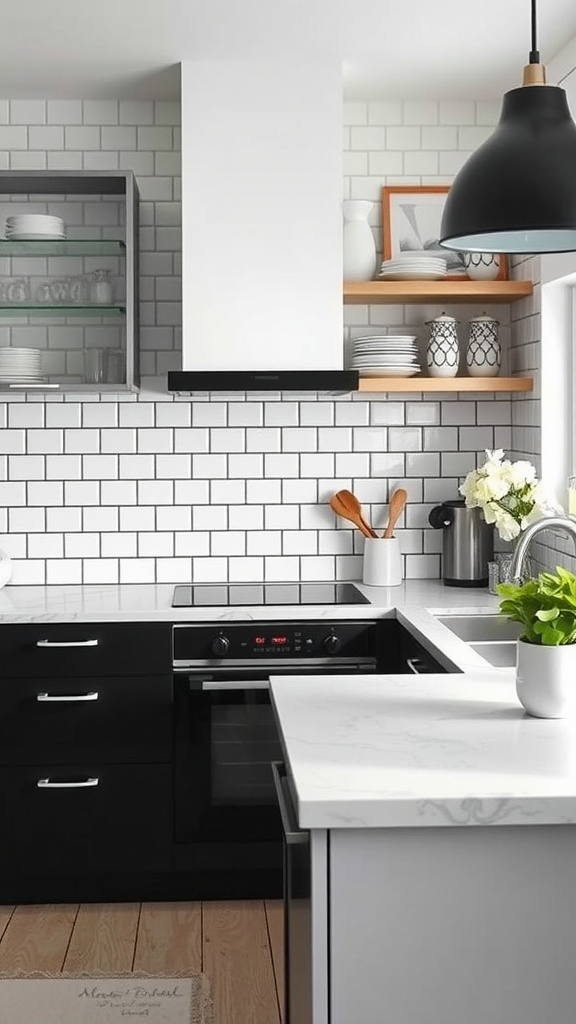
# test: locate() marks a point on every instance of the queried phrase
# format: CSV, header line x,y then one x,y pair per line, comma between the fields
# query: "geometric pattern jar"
x,y
442,351
483,351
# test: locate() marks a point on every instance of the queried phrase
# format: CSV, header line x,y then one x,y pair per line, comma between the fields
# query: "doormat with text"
x,y
77,999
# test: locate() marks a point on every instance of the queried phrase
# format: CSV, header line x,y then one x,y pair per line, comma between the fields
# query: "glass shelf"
x,y
63,247
48,311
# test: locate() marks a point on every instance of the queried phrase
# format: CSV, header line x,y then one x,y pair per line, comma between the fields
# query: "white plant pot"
x,y
546,679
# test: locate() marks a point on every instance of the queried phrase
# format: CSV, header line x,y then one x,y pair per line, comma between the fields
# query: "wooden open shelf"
x,y
420,384
436,291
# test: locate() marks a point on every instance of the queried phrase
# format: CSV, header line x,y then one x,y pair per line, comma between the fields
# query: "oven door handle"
x,y
234,684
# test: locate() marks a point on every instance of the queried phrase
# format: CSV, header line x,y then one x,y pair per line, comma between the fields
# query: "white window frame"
x,y
557,363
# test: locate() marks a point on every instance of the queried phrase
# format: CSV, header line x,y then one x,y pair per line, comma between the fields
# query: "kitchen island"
x,y
442,850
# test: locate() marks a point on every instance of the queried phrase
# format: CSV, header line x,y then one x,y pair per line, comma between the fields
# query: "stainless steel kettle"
x,y
467,544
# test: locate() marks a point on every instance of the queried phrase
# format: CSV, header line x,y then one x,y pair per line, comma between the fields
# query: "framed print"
x,y
411,218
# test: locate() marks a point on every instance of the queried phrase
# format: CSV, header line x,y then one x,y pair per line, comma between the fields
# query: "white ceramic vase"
x,y
482,266
545,679
483,351
358,241
442,350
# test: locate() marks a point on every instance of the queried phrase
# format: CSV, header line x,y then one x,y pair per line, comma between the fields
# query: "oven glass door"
x,y
226,740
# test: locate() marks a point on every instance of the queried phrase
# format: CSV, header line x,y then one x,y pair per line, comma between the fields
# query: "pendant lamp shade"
x,y
517,192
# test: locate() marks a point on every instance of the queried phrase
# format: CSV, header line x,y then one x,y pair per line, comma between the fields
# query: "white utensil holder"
x,y
382,565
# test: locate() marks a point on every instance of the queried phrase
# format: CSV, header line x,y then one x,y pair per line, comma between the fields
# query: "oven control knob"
x,y
219,646
332,644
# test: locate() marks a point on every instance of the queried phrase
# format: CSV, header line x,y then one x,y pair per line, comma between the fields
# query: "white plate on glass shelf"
x,y
388,371
32,236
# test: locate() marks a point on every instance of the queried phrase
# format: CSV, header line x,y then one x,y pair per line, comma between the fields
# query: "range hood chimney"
x,y
262,228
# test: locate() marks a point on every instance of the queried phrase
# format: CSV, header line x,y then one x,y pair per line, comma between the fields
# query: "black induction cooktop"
x,y
225,595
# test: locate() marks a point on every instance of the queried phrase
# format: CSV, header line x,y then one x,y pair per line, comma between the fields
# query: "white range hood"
x,y
262,227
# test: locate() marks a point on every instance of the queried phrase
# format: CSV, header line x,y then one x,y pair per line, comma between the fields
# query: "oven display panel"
x,y
272,643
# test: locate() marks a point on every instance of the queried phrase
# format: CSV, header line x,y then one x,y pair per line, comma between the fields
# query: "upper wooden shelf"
x,y
420,384
436,291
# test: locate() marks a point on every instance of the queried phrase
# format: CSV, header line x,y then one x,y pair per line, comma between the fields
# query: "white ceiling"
x,y
394,48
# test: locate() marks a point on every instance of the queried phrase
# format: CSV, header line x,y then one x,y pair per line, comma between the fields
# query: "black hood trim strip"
x,y
189,382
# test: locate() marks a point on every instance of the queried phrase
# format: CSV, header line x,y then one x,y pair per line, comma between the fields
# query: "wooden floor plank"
x,y
169,938
103,938
5,915
237,960
36,938
275,919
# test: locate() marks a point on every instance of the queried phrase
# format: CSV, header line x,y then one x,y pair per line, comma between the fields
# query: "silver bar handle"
x,y
82,784
235,684
413,665
67,643
292,833
67,698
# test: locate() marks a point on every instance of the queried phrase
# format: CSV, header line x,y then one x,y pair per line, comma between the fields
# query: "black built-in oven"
x,y
227,827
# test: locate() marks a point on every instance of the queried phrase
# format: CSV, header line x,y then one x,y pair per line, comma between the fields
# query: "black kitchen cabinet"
x,y
86,738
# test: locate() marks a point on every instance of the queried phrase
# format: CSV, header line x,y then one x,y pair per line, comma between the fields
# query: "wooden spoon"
x,y
397,502
346,504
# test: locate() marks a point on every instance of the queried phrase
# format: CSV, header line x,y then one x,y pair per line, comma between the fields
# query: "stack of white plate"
x,y
22,365
28,226
390,355
414,266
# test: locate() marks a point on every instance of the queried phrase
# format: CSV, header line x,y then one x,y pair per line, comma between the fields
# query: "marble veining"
x,y
440,750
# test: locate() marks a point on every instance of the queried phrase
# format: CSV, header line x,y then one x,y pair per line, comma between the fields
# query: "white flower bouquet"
x,y
509,494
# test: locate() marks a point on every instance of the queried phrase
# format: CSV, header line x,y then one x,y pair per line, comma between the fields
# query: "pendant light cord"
x,y
534,52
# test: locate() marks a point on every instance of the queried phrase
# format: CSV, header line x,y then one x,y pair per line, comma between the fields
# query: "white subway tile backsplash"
x,y
116,545
81,545
264,542
155,544
209,570
229,542
319,414
282,517
101,570
64,571
157,489
137,570
246,517
64,467
263,439
192,543
81,492
285,465
246,465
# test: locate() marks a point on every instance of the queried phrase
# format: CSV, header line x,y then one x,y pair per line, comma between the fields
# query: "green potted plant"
x,y
546,658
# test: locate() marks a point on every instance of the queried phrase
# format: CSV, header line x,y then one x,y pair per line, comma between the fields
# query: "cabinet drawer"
x,y
88,649
65,721
107,818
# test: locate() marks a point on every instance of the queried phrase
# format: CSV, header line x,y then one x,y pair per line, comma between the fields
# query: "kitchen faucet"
x,y
566,523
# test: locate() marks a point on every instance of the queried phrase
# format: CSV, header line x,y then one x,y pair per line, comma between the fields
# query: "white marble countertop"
x,y
430,750
136,602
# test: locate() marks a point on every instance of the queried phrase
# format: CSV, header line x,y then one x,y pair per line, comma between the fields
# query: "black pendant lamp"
x,y
517,192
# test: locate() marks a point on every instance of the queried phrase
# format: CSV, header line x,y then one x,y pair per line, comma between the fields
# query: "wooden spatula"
x,y
346,504
397,502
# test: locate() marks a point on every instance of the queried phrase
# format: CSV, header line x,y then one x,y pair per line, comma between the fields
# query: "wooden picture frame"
x,y
411,217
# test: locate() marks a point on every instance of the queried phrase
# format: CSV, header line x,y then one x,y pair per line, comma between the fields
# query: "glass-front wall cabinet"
x,y
68,281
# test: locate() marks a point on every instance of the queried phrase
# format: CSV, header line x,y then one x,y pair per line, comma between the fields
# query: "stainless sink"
x,y
479,628
491,636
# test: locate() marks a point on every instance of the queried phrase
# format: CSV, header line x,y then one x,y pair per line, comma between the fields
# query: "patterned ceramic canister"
x,y
442,352
483,351
482,266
